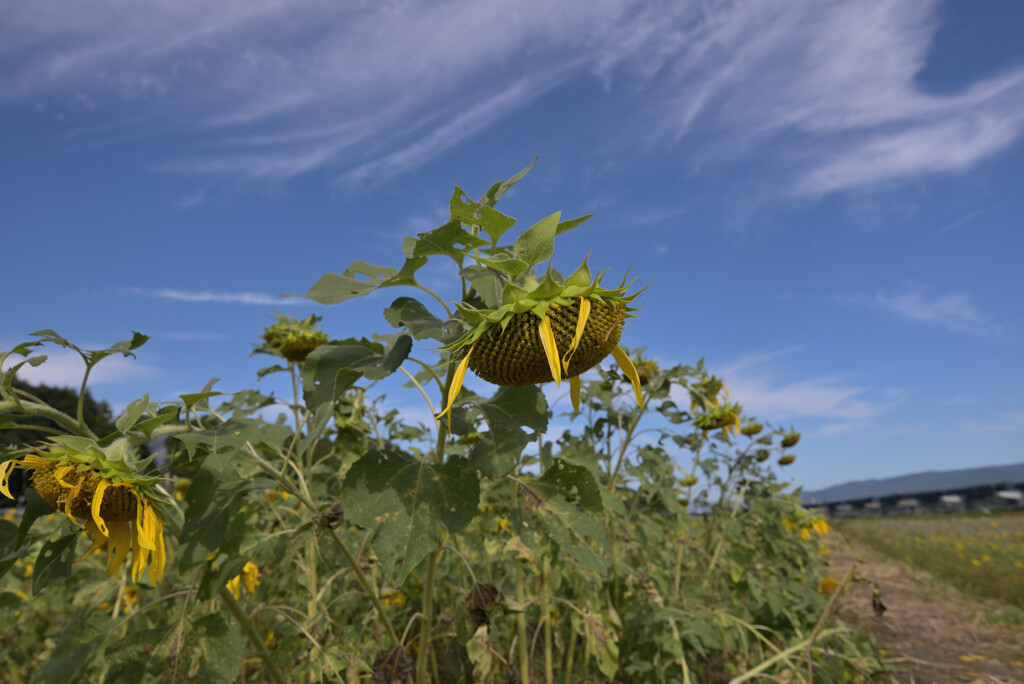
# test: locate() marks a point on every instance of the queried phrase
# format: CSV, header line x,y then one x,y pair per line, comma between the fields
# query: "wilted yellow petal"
x,y
61,472
5,477
547,340
627,367
234,585
574,393
98,540
97,501
156,568
581,323
118,545
34,460
144,527
456,387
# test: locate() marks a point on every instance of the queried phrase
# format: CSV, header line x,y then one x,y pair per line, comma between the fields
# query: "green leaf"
x,y
486,282
334,289
130,658
132,414
564,226
165,415
212,498
446,240
496,191
492,221
506,413
506,263
565,504
67,662
222,640
407,274
416,318
53,564
410,504
537,243
330,369
35,508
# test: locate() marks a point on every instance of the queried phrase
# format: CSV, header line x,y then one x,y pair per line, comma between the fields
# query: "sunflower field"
x,y
651,542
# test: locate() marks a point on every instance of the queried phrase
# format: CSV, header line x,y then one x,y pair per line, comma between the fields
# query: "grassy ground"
x,y
980,554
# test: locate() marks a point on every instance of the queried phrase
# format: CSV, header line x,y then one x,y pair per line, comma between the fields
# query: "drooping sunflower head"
x,y
118,505
292,339
544,331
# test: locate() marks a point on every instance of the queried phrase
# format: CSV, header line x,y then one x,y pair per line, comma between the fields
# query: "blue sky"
x,y
823,192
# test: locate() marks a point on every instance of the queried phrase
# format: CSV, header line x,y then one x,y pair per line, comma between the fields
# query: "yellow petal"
x,y
547,340
630,371
453,391
234,585
574,393
5,477
61,472
581,323
119,543
97,501
156,568
251,575
144,524
34,460
98,540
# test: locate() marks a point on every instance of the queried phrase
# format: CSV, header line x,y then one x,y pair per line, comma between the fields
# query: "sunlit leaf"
x,y
537,243
410,504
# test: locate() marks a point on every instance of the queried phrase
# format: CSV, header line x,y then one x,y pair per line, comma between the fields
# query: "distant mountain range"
x,y
918,483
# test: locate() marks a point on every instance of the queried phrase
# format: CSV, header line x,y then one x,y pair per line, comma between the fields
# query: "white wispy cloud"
x,y
1012,421
268,89
758,388
954,312
204,296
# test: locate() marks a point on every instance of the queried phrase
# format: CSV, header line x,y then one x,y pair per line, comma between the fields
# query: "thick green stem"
x,y
524,647
545,610
81,395
427,623
44,411
254,635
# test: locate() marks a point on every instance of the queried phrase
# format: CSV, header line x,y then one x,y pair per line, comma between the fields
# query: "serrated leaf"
x,y
565,504
410,504
411,314
330,369
66,663
130,658
537,243
224,645
492,221
451,239
511,408
53,564
505,263
334,289
211,499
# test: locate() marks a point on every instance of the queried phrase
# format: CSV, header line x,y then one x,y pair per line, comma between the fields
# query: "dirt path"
x,y
929,630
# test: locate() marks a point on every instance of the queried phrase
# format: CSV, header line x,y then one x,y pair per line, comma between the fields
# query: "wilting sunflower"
x,y
118,505
546,331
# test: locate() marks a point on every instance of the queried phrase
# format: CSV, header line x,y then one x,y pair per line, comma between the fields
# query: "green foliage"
x,y
648,543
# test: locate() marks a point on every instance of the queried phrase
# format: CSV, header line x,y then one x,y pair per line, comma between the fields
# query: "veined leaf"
x,y
410,504
537,243
446,240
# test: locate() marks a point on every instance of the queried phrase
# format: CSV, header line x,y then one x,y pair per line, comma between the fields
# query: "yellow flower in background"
x,y
502,525
805,533
98,485
393,597
726,418
827,585
790,524
821,527
131,597
250,575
